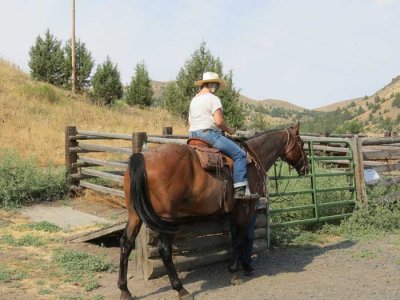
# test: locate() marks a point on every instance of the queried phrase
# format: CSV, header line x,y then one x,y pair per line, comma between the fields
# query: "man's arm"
x,y
219,121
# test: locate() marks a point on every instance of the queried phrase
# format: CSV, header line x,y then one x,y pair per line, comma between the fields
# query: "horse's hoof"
x,y
185,295
236,279
126,296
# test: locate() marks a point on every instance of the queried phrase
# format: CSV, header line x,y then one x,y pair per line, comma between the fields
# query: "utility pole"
x,y
73,79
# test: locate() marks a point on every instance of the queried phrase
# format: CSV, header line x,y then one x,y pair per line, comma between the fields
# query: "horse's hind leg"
x,y
165,250
127,242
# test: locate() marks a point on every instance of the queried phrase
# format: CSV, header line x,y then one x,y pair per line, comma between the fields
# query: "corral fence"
x,y
203,241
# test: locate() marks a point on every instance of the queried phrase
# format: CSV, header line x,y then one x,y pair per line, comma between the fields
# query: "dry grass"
x,y
33,116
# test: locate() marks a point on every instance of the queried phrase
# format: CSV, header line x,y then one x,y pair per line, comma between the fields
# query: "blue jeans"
x,y
218,141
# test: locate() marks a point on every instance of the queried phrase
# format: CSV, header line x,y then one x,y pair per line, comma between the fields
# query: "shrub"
x,y
139,90
22,181
107,86
47,60
396,101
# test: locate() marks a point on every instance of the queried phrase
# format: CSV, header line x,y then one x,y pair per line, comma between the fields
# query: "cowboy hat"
x,y
211,77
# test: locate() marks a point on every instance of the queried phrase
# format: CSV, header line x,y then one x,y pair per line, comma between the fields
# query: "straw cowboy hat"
x,y
211,77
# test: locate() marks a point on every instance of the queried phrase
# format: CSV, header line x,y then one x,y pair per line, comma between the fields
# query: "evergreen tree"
x,y
84,65
177,94
139,90
106,82
47,60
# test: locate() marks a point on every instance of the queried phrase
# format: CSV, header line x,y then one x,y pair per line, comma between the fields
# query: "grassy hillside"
x,y
33,116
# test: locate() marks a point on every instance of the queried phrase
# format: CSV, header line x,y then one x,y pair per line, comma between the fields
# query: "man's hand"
x,y
231,130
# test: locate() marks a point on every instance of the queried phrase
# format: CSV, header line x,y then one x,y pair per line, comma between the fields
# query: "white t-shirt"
x,y
201,112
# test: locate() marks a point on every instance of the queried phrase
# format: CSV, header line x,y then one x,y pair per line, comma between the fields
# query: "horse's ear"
x,y
297,127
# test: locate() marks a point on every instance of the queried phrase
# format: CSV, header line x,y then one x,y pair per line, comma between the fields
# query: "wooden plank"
x,y
102,189
380,141
202,243
85,148
381,154
98,233
100,162
105,134
155,268
329,149
101,174
382,167
160,140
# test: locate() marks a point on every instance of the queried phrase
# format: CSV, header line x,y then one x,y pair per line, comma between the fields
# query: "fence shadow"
x,y
270,263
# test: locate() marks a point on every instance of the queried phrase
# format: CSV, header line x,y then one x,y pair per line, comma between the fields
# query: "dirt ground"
x,y
334,269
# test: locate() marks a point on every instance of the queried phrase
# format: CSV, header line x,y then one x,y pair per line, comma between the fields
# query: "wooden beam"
x,y
105,135
101,162
380,141
160,140
101,174
153,268
102,189
85,148
98,233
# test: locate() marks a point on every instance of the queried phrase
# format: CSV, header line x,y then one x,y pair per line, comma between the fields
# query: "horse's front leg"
x,y
238,233
127,242
165,250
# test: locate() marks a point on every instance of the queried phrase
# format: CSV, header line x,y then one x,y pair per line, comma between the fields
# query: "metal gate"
x,y
327,193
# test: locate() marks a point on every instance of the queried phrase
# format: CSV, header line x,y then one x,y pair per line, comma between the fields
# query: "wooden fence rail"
x,y
201,241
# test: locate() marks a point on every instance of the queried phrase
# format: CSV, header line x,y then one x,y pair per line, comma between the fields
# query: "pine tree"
x,y
84,65
47,60
106,82
139,90
177,94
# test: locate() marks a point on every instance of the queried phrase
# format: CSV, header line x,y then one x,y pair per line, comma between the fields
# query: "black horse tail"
x,y
140,197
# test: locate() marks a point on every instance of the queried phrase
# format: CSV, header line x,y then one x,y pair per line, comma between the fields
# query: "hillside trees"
x,y
107,86
84,65
139,91
396,100
47,60
178,93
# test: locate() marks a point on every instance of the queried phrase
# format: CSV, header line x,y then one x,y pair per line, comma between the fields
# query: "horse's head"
x,y
294,151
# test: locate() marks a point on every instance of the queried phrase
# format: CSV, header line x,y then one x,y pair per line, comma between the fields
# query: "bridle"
x,y
297,142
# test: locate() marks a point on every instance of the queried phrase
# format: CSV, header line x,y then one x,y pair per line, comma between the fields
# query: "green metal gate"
x,y
327,193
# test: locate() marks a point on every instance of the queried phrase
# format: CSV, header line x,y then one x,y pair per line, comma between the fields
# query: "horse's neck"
x,y
269,147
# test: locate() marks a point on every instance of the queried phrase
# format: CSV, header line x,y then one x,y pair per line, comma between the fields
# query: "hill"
x,y
33,116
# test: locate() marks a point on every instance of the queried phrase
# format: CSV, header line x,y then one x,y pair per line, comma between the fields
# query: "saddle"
x,y
210,158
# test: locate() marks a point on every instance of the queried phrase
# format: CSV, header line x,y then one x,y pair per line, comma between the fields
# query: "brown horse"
x,y
168,181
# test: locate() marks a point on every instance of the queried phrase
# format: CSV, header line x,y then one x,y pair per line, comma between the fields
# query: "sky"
x,y
309,52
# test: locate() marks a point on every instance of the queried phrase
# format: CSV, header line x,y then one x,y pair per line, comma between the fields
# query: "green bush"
x,y
22,181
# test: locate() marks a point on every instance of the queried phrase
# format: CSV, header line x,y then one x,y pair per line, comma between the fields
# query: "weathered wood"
x,y
100,162
102,189
153,268
389,153
85,148
167,131
71,158
380,141
101,174
159,140
356,146
95,234
109,135
382,167
201,243
200,227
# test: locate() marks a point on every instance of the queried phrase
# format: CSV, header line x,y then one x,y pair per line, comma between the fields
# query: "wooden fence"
x,y
201,241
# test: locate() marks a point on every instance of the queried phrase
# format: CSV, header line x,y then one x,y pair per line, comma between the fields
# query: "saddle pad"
x,y
210,158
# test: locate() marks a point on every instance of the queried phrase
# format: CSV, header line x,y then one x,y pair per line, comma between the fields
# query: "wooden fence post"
x,y
167,131
138,140
356,146
71,159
